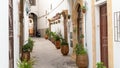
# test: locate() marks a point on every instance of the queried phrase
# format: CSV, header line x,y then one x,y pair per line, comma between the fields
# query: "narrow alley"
x,y
45,55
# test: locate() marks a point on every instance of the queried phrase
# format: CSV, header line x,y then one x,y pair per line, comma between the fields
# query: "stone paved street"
x,y
45,55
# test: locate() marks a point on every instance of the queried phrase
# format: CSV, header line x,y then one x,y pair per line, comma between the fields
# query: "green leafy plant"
x,y
64,42
31,43
26,47
47,31
57,38
100,65
25,64
83,9
74,29
79,49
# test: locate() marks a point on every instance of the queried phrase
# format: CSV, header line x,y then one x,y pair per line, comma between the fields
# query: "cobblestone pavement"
x,y
45,55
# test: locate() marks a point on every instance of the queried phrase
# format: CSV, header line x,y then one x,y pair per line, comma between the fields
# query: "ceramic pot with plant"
x,y
57,42
81,56
53,37
83,9
31,44
25,52
47,32
64,47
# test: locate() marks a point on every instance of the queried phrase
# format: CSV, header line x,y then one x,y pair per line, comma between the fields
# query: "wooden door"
x,y
11,39
103,34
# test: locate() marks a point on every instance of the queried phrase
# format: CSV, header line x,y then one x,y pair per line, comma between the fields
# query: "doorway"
x,y
33,25
104,34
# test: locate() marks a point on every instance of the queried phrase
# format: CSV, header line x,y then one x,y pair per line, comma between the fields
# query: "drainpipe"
x,y
21,24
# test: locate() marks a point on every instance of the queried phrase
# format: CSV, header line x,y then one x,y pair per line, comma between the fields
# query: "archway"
x,y
32,24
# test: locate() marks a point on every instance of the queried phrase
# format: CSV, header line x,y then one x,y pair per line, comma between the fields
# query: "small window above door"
x,y
97,0
32,2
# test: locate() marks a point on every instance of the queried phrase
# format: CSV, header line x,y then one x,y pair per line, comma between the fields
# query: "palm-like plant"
x,y
100,65
25,64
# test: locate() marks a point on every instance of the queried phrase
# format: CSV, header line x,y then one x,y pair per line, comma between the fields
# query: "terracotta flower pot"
x,y
25,56
57,44
84,10
82,61
64,49
46,37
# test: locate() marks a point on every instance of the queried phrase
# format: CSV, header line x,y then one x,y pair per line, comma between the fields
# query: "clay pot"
x,y
82,61
25,56
57,44
65,50
84,10
46,37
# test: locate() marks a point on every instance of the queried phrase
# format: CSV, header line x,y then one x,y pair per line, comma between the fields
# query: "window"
x,y
32,2
117,26
97,0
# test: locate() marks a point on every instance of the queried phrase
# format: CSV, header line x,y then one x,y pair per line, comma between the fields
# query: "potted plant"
x,y
69,16
64,47
57,41
100,65
47,32
25,64
81,56
26,52
83,9
31,43
53,37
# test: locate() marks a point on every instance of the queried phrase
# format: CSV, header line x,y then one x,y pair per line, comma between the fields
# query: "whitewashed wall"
x,y
116,46
4,38
45,5
88,32
26,23
34,8
66,5
59,27
16,31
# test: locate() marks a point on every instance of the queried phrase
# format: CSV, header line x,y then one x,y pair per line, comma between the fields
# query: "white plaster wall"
x,y
4,41
88,32
97,26
43,7
116,46
26,24
16,31
66,5
59,27
35,9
